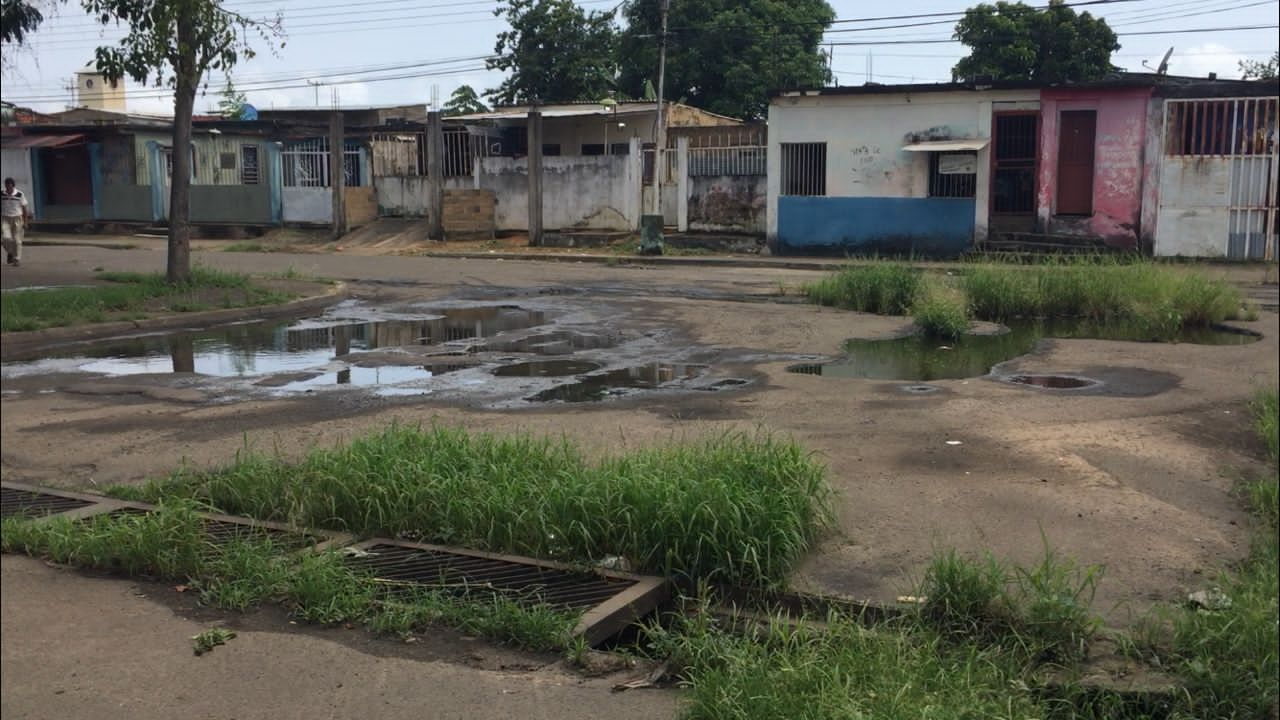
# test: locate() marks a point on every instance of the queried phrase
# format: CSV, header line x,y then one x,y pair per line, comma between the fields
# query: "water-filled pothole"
x,y
1053,382
593,388
916,357
547,368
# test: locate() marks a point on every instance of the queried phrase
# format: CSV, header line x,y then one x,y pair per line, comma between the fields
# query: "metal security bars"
x,y
1242,126
306,163
249,169
953,175
804,168
742,160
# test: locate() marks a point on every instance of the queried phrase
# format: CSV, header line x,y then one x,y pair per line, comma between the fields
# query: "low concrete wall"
x,y
577,192
469,214
728,203
402,195
935,227
67,213
249,204
308,205
126,202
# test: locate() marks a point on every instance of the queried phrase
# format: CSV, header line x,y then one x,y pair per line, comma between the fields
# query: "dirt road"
x,y
1138,479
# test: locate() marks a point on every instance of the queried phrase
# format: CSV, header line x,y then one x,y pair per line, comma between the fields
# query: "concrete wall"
x,y
16,163
361,205
865,135
1118,163
599,193
469,214
402,195
250,204
308,205
125,202
728,203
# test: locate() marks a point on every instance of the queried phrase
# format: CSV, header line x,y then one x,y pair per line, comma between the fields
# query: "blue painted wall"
x,y
940,227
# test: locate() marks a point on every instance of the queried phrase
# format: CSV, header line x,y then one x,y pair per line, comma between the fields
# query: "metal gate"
x,y
1218,178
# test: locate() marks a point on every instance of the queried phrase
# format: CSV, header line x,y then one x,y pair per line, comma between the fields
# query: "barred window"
x,y
804,168
953,174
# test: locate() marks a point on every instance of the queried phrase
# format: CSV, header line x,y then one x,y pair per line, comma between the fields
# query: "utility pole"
x,y
435,176
661,126
337,177
316,84
535,177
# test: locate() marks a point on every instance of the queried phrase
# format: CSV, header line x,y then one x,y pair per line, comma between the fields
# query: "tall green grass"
x,y
129,294
941,313
734,508
884,288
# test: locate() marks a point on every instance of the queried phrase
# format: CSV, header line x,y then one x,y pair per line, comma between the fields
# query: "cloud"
x,y
1200,60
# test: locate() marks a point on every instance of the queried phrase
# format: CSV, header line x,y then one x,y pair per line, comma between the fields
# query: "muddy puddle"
x,y
915,357
503,355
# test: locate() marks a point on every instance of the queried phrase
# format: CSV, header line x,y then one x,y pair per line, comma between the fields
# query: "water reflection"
x,y
594,388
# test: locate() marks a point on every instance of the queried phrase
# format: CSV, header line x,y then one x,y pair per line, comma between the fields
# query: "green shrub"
x,y
883,288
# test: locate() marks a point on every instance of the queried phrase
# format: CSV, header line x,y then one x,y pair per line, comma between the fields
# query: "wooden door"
x,y
1076,132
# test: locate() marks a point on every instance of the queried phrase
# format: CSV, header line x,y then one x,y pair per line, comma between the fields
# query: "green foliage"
x,y
463,101
18,18
131,294
884,288
210,639
539,627
232,103
554,51
1266,416
726,55
1015,41
733,508
1260,69
941,313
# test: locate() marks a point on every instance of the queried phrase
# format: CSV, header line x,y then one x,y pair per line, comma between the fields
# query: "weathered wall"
x,y
1120,137
469,214
307,205
125,202
1193,214
728,203
208,156
577,192
16,163
402,195
865,135
249,204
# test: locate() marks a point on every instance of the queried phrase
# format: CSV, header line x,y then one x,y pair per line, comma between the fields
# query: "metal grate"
x,y
804,168
404,568
30,504
221,531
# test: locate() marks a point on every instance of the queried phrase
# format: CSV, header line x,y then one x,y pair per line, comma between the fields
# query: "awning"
x,y
40,141
946,145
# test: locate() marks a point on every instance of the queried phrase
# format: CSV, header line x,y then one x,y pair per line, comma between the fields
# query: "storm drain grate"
x,y
607,600
223,530
32,503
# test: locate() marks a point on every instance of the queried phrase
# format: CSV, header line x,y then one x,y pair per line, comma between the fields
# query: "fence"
x,y
405,154
306,163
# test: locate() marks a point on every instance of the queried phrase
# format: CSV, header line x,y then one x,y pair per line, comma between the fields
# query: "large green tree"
x,y
174,43
726,55
18,18
1013,41
464,100
554,51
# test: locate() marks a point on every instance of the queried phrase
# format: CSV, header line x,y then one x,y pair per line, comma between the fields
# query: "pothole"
x,y
547,368
919,389
594,388
1053,382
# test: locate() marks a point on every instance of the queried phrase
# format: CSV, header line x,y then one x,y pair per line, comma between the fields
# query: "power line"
x,y
940,41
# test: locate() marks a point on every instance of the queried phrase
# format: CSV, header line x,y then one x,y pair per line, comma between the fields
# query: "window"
x,y
620,149
249,174
227,161
593,148
804,168
1244,126
551,149
953,174
1075,162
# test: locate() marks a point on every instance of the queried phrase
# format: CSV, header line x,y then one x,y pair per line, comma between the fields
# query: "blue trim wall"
x,y
95,177
937,227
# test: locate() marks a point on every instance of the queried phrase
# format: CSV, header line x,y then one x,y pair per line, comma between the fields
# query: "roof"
x,y
580,108
1163,84
40,141
947,145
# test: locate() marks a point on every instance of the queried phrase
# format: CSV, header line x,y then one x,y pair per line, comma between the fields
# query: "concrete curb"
x,y
23,345
648,260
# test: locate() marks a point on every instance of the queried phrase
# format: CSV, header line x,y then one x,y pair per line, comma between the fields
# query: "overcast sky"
x,y
427,48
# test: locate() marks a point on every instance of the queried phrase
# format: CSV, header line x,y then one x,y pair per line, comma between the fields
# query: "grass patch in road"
x,y
245,573
941,313
884,288
735,508
251,246
131,295
1266,419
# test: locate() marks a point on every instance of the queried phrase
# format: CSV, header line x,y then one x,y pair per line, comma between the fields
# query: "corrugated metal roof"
x,y
41,141
946,145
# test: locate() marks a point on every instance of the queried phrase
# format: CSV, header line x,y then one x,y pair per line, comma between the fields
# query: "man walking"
x,y
13,221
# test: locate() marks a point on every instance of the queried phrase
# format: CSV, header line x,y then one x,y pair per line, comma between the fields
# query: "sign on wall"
x,y
956,164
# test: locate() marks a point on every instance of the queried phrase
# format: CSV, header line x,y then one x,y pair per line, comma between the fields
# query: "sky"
x,y
394,52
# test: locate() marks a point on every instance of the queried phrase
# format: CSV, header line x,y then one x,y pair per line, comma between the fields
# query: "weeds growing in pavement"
x,y
884,288
735,508
941,313
130,294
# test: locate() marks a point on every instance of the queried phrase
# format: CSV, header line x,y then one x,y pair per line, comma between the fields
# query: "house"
x,y
937,169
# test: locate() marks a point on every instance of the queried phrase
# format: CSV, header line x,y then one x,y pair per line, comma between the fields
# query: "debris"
x,y
648,681
913,599
615,562
954,442
1211,599
180,588
210,639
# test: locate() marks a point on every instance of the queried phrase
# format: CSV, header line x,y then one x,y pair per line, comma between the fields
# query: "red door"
x,y
1076,129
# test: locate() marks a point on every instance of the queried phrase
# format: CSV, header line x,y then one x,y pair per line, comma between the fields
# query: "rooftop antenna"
x,y
1163,69
315,84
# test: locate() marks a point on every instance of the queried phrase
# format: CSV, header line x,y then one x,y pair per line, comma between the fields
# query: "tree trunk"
x,y
179,265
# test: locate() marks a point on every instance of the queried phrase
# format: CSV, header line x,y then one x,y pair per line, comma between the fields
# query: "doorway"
x,y
1016,144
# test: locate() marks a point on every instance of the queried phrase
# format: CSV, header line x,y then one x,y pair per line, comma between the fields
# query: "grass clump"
x,y
130,295
941,313
884,288
734,508
210,639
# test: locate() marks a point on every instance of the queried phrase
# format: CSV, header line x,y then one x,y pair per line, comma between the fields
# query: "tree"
x,y
1260,70
1013,41
18,19
726,55
555,51
233,102
464,100
175,42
